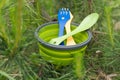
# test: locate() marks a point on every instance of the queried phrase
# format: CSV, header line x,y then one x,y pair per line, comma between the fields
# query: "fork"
x,y
70,40
63,17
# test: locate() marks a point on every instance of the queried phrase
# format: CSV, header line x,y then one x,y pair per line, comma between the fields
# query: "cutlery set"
x,y
64,19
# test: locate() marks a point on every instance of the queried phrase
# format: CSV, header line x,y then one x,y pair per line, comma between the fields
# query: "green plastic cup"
x,y
60,54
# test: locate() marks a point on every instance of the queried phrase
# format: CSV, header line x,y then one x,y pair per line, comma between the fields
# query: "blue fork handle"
x,y
61,31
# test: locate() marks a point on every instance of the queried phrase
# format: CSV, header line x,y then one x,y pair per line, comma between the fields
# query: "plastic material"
x,y
59,54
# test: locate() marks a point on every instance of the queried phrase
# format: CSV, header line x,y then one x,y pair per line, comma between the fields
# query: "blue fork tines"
x,y
63,17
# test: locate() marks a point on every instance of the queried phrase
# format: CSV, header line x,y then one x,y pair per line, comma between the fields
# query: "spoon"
x,y
87,23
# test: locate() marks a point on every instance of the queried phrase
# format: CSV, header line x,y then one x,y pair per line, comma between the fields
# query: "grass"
x,y
19,55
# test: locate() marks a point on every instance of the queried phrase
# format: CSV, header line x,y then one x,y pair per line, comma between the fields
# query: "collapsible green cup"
x,y
59,54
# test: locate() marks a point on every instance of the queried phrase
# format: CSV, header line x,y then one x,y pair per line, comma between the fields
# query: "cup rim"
x,y
61,47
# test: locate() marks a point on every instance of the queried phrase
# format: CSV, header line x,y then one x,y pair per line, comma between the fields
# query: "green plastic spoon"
x,y
87,23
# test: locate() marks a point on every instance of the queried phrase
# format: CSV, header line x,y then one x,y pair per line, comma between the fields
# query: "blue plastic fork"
x,y
63,17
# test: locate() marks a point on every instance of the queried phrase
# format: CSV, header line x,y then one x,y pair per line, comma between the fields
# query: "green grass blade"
x,y
6,75
109,24
2,3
